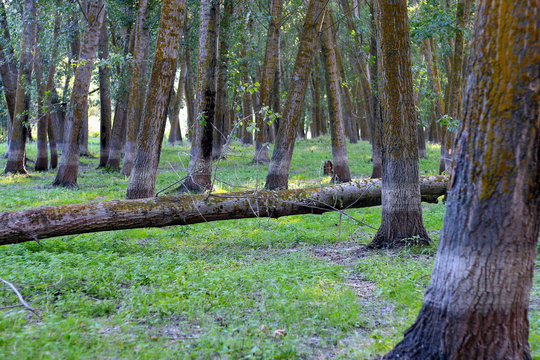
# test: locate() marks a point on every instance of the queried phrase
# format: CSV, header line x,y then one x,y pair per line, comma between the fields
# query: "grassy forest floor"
x,y
295,287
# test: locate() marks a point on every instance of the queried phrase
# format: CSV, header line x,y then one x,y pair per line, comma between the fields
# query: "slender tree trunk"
x,y
69,164
401,209
8,66
175,134
477,302
278,172
375,104
220,129
104,98
200,161
142,182
247,113
42,159
454,82
50,221
337,132
267,79
435,85
51,90
348,119
316,113
118,131
190,97
17,143
136,88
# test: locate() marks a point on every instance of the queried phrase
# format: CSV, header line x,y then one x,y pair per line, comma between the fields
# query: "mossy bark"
x,y
78,106
46,222
476,305
278,172
142,182
401,222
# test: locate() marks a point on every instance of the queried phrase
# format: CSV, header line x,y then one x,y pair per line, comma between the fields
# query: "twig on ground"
x,y
21,299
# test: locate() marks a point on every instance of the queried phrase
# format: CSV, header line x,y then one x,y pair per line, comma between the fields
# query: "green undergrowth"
x,y
288,288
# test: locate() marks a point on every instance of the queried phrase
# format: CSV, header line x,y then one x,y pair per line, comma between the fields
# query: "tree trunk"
x,y
401,222
142,182
42,159
247,112
190,97
69,164
104,98
477,302
454,82
17,143
51,89
8,66
267,79
220,129
175,134
340,159
118,131
375,106
348,120
278,172
199,173
136,87
46,222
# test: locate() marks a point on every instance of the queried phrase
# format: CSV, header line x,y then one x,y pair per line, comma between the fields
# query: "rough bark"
x,y
401,209
46,222
17,143
200,162
477,302
278,172
269,69
104,97
175,134
142,182
337,132
375,121
349,122
78,106
136,88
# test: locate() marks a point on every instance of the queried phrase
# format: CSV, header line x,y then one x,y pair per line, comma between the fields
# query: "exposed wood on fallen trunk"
x,y
51,221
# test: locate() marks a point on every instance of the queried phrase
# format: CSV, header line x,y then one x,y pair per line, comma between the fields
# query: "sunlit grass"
x,y
287,288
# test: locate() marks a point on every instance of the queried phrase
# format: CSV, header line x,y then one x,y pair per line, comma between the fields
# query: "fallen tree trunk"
x,y
51,221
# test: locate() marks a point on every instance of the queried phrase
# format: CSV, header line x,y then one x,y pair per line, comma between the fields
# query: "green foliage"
x,y
256,288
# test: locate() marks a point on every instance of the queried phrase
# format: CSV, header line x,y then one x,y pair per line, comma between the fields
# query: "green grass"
x,y
256,288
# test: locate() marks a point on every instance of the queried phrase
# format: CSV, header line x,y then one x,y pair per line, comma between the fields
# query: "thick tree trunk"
x,y
278,172
104,98
269,69
220,129
401,209
477,302
142,182
69,164
340,159
199,173
136,87
46,222
17,143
